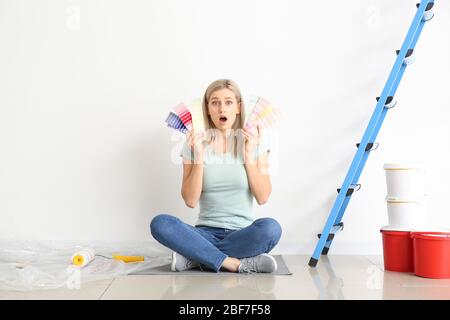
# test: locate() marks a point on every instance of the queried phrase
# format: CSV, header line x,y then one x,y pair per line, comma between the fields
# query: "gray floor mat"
x,y
165,269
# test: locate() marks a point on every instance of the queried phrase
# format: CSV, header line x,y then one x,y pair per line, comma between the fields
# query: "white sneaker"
x,y
263,263
180,263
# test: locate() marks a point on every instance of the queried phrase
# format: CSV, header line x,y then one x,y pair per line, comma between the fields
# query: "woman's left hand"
x,y
251,138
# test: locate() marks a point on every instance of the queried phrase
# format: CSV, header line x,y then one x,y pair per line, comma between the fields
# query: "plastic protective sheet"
x,y
30,265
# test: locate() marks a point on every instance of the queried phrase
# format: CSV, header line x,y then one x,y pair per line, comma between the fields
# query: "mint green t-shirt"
x,y
226,200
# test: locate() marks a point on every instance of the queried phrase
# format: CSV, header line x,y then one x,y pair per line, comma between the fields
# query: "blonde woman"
x,y
224,168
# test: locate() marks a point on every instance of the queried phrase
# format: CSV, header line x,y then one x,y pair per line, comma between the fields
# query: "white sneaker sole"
x,y
273,260
174,261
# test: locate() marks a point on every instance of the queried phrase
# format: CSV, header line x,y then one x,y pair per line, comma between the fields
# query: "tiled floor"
x,y
336,277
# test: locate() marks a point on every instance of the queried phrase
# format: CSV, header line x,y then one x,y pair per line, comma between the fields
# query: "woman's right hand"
x,y
195,142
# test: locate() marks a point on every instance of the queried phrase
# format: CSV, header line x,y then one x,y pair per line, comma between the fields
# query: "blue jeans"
x,y
210,246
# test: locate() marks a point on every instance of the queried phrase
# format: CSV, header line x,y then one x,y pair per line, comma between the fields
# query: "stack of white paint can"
x,y
406,199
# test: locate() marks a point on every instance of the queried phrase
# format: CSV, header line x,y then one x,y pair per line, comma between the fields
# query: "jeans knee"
x,y
161,225
270,228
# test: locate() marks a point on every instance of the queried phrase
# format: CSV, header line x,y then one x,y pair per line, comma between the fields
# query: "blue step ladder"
x,y
385,102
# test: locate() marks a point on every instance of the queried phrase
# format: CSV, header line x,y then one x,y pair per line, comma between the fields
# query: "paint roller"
x,y
84,257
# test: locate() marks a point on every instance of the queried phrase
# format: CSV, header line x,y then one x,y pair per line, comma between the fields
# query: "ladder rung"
x,y
330,236
388,99
408,53
428,14
369,146
350,189
429,6
390,102
409,58
336,228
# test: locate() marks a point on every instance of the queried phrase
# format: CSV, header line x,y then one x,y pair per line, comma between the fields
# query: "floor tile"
x,y
87,291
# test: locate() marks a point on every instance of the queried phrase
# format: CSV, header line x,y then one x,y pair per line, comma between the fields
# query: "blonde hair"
x,y
240,118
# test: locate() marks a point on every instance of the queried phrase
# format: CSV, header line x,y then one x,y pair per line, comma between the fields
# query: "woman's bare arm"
x,y
259,178
192,184
191,188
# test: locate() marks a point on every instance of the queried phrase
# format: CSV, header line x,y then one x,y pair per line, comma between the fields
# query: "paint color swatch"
x,y
263,113
184,119
197,115
184,114
174,122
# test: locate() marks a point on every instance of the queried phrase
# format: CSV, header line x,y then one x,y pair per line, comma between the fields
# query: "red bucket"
x,y
398,251
432,254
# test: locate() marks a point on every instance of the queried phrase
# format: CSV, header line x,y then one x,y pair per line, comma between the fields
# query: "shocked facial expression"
x,y
223,108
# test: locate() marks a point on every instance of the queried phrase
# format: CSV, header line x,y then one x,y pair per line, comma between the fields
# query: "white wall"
x,y
85,87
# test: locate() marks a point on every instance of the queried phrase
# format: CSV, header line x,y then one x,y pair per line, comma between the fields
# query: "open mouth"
x,y
223,119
